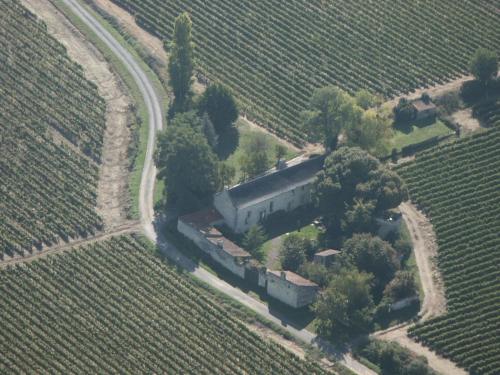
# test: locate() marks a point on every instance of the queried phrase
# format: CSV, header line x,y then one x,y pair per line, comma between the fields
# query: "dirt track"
x,y
434,303
112,200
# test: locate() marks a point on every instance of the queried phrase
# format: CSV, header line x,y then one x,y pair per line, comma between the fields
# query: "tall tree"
x,y
350,176
253,241
372,255
484,65
255,158
293,252
187,164
219,103
331,110
346,306
181,62
371,131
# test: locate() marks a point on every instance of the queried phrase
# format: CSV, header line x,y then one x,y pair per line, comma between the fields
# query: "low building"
x,y
290,288
199,227
326,257
284,188
425,109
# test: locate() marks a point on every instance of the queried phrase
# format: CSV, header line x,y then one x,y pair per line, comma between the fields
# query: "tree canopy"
x,y
333,111
181,62
345,308
186,163
253,241
218,102
353,185
484,65
255,158
372,255
293,252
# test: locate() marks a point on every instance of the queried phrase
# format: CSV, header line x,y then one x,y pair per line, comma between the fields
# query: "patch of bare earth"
x,y
464,119
434,303
154,47
112,201
433,91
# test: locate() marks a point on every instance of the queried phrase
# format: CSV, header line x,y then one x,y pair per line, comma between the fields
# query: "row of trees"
x,y
186,150
333,112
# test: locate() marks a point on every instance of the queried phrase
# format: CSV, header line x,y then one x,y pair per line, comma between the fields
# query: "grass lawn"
x,y
230,146
309,231
415,133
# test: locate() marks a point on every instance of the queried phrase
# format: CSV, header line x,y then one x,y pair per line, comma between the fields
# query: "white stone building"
x,y
199,227
284,188
290,288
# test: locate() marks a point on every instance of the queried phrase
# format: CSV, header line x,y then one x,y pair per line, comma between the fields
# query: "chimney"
x,y
283,275
220,244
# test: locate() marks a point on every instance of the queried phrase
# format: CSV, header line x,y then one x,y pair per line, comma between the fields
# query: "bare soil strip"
x,y
113,200
434,303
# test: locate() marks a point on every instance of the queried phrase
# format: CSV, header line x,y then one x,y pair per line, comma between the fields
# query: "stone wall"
x,y
216,253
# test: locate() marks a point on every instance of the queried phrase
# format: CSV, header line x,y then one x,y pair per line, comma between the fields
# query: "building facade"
x,y
284,188
290,288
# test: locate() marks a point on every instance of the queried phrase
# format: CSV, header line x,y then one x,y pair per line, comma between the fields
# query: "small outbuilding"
x,y
326,257
290,288
425,109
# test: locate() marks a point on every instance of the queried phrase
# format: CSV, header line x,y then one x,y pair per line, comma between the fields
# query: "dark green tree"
x,y
181,62
345,308
219,103
279,151
187,164
315,272
331,110
209,131
372,255
255,158
351,175
484,65
293,252
226,174
253,241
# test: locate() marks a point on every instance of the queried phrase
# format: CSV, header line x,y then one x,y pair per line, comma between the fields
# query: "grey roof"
x,y
276,182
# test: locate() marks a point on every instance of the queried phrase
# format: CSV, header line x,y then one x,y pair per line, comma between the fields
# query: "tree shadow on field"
x,y
228,143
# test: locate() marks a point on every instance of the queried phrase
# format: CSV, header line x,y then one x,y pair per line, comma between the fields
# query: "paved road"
x,y
153,104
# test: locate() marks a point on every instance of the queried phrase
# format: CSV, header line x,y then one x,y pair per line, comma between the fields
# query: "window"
x,y
271,206
262,215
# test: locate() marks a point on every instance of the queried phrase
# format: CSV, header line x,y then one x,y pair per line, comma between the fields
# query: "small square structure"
x,y
325,257
290,288
425,109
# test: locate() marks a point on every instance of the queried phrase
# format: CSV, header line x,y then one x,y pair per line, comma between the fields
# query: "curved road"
x,y
148,178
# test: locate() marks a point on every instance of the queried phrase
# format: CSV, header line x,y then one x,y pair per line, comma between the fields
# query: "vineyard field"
x,y
274,54
52,122
458,186
115,307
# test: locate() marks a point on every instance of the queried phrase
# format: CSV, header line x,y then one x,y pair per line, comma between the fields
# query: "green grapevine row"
x,y
274,54
458,186
51,132
114,307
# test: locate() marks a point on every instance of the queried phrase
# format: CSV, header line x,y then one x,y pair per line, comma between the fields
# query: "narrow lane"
x,y
146,208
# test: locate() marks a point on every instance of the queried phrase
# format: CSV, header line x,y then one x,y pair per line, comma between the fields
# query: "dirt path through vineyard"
x,y
113,196
434,303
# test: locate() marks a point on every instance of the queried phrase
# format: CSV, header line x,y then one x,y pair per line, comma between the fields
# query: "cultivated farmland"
x,y
51,133
274,54
114,307
458,186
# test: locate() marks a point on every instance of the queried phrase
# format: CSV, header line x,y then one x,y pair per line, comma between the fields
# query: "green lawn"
x,y
309,231
231,146
413,133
